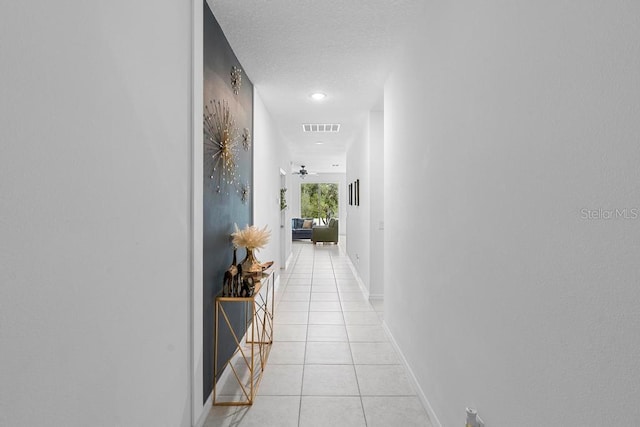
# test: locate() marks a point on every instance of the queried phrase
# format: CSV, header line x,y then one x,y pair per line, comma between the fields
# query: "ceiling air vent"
x,y
321,127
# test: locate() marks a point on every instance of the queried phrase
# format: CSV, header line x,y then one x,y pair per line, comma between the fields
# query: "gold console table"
x,y
252,351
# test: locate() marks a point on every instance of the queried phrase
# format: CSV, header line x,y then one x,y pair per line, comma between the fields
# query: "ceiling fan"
x,y
303,172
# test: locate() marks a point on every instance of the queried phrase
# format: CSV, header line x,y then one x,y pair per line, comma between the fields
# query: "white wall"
x,y
358,217
199,409
502,122
365,245
376,205
95,137
269,156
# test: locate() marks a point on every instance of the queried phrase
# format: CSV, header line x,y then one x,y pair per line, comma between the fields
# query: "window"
x,y
319,201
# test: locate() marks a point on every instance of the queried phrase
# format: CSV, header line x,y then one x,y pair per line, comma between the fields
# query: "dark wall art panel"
x,y
354,190
228,173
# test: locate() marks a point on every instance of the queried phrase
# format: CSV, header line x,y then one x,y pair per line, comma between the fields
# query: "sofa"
x,y
298,229
328,233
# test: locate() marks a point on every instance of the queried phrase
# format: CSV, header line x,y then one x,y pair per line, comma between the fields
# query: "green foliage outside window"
x,y
319,201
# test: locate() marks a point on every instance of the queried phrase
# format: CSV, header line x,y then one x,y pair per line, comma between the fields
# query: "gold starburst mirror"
x,y
221,144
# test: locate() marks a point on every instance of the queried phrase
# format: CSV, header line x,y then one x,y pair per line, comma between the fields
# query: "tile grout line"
x,y
355,373
340,303
304,355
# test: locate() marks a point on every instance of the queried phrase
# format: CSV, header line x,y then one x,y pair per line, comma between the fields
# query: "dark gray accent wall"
x,y
222,209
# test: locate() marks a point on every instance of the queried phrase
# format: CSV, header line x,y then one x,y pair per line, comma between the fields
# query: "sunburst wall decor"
x,y
246,139
221,143
236,79
244,189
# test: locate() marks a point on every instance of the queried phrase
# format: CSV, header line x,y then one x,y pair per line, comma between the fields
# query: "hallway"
x,y
331,363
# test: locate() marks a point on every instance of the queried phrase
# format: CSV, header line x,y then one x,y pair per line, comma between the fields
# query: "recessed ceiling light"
x,y
318,96
319,143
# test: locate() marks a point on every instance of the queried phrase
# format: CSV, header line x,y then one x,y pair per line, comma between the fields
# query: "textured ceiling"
x,y
292,48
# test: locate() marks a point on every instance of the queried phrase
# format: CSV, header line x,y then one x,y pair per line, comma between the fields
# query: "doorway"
x,y
285,240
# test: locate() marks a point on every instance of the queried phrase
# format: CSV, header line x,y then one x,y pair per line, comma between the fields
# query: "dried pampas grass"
x,y
251,237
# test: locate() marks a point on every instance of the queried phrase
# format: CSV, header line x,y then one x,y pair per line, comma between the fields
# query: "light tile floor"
x,y
331,363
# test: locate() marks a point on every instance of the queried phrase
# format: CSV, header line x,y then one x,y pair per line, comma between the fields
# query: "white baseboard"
x,y
289,258
376,297
363,288
226,373
276,283
423,398
205,411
